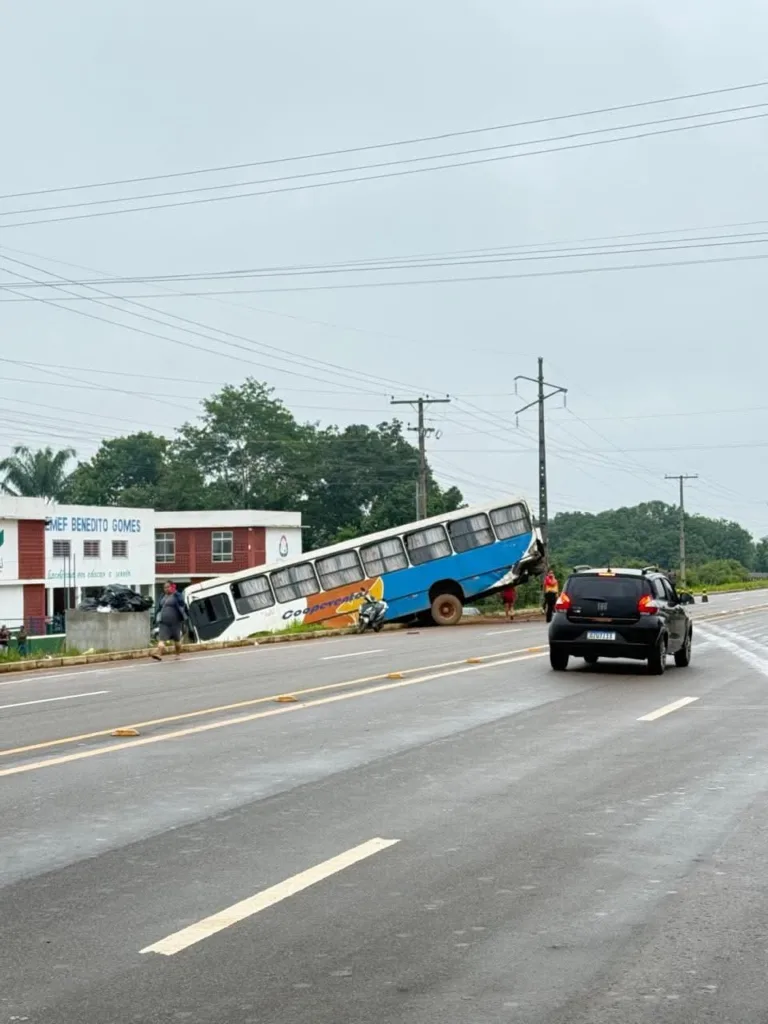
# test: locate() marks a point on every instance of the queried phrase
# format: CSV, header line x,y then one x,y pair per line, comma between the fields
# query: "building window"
x,y
222,546
295,582
471,532
119,548
252,595
386,556
427,545
510,521
336,570
62,548
165,547
91,548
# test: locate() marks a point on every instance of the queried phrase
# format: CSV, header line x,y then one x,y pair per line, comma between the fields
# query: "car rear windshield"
x,y
600,588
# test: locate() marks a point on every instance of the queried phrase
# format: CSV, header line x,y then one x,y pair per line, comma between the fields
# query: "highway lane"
x,y
558,860
44,706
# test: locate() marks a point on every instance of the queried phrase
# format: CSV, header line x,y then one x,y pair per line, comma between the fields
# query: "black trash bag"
x,y
118,598
88,604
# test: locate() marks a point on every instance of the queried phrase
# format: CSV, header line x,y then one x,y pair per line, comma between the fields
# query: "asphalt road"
x,y
469,841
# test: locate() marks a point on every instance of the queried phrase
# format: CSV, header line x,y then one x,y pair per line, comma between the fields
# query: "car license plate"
x,y
600,634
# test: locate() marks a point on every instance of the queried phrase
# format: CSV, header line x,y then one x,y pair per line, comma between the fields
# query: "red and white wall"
x,y
193,546
22,562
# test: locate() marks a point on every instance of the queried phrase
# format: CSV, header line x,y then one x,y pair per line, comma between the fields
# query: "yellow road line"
x,y
285,709
47,744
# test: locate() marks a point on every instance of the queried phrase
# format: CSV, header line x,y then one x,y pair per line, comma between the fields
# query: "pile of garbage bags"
x,y
116,598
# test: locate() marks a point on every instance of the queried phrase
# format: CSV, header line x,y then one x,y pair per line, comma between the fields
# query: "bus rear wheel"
x,y
447,610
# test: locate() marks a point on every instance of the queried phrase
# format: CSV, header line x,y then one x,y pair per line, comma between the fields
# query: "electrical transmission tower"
x,y
540,400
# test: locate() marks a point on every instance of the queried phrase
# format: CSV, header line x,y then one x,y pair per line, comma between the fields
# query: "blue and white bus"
x,y
425,571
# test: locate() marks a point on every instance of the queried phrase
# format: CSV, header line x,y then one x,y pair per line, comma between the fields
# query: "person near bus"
x,y
22,639
5,639
509,597
551,591
171,617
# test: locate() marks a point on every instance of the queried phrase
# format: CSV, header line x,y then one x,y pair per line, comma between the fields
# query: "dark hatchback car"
x,y
620,613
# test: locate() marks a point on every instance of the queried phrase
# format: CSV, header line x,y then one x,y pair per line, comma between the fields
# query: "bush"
x,y
717,573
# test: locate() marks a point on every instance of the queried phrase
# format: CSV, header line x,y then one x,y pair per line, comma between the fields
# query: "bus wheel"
x,y
447,610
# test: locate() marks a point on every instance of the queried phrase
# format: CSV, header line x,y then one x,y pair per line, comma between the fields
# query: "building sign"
x,y
92,546
283,547
92,524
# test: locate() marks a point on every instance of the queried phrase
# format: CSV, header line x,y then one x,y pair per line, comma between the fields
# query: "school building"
x,y
51,556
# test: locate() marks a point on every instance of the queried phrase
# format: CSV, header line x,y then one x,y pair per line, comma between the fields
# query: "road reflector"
x,y
125,732
394,675
285,698
474,661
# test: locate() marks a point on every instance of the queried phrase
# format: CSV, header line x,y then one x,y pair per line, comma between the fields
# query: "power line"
x,y
386,145
388,174
393,263
399,162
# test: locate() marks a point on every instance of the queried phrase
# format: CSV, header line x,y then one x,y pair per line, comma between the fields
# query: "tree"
x,y
647,534
248,451
38,474
124,471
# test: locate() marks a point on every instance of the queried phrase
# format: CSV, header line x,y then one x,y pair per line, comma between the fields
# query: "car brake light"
x,y
563,603
646,606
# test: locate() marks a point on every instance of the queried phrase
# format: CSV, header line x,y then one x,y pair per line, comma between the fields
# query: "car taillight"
x,y
646,606
563,603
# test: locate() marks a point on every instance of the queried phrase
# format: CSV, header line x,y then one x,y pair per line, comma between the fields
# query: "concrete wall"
x,y
108,631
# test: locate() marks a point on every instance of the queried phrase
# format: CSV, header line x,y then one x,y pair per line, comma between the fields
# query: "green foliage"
x,y
38,474
713,574
648,534
248,451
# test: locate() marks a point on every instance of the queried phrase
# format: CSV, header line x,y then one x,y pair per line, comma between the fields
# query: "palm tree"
x,y
40,474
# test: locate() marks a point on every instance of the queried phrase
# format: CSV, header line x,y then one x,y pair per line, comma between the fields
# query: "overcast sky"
x,y
666,367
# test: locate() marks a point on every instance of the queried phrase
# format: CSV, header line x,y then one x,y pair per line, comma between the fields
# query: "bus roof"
x,y
355,542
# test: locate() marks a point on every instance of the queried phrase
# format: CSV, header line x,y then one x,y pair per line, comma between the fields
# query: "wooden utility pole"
x,y
682,477
423,431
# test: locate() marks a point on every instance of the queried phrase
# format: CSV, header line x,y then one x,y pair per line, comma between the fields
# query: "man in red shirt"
x,y
509,596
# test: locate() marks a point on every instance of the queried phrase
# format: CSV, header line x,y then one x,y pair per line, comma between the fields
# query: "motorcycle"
x,y
371,615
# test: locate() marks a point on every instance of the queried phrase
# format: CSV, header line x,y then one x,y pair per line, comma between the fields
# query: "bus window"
x,y
384,556
427,545
336,570
252,595
294,582
472,532
510,521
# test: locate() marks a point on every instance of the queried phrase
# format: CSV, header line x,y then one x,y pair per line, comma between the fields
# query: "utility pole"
x,y
423,431
682,477
540,400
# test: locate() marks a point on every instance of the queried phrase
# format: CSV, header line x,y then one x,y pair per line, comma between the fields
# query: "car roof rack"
x,y
650,568
582,568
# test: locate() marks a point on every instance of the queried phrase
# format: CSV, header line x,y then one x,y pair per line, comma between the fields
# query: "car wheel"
x,y
683,656
558,659
657,662
591,659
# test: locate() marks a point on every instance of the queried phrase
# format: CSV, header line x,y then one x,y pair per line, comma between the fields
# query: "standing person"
x,y
5,639
509,596
551,591
22,639
170,617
